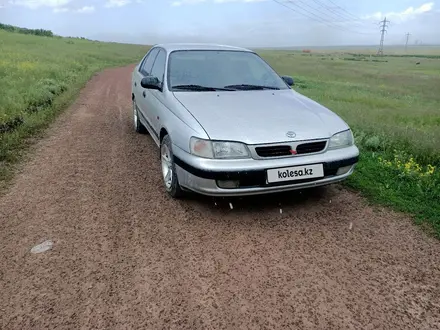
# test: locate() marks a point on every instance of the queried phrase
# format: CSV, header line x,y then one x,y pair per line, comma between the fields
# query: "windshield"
x,y
212,70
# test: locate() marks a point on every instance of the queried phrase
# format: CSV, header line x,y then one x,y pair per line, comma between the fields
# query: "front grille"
x,y
283,150
273,151
308,148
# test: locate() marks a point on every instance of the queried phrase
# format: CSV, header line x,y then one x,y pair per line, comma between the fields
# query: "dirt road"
x,y
126,256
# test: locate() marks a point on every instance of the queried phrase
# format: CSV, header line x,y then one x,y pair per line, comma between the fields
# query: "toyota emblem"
x,y
291,134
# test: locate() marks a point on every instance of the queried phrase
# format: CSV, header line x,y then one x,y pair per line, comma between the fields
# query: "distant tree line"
x,y
37,32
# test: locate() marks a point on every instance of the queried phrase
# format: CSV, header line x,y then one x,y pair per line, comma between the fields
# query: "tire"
x,y
138,126
169,175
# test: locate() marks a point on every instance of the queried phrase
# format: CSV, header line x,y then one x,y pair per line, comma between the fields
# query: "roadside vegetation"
x,y
392,104
37,32
40,76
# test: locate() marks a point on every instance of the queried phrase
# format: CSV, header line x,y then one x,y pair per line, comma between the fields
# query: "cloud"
x,y
186,2
61,10
81,10
117,3
34,4
194,2
404,15
86,10
226,1
63,6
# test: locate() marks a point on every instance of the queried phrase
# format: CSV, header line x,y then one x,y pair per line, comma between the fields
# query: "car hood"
x,y
255,117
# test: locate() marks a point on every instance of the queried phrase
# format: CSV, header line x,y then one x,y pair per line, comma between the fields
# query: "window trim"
x,y
165,68
142,62
165,64
145,60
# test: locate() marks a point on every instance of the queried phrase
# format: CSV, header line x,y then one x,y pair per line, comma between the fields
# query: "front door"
x,y
155,101
142,95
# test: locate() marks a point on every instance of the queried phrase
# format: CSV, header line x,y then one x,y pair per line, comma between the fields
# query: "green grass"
x,y
40,76
393,108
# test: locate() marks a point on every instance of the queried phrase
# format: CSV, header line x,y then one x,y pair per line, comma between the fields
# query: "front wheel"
x,y
169,174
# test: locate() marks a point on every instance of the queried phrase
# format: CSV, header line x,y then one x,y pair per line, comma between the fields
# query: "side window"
x,y
148,63
158,70
142,62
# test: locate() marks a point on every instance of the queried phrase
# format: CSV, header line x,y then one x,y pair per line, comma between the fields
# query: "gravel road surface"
x,y
126,256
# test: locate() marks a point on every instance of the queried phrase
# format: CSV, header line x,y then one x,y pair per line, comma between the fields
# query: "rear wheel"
x,y
138,126
169,174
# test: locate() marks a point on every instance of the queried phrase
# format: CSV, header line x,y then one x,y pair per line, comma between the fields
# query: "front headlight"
x,y
218,149
341,140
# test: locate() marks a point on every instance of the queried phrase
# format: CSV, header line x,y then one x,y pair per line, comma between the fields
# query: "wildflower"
x,y
407,166
430,170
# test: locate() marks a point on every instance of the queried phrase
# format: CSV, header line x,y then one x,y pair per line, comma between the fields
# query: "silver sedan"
x,y
228,125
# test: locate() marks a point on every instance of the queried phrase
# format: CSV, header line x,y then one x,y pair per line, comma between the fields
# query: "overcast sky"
x,y
248,23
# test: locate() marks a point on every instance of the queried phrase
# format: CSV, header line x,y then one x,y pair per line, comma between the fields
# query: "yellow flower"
x,y
430,170
26,66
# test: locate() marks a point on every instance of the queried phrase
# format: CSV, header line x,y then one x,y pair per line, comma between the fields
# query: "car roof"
x,y
169,47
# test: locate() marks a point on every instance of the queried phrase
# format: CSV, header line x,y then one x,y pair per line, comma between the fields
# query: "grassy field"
x,y
39,77
392,104
393,107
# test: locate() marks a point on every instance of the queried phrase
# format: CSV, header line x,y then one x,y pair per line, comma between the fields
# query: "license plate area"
x,y
295,173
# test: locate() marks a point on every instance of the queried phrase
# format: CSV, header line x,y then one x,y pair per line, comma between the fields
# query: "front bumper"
x,y
200,175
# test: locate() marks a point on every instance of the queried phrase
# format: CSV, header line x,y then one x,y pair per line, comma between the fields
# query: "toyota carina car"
x,y
227,124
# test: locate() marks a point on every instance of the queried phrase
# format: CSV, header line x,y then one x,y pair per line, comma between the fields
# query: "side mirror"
x,y
288,80
151,82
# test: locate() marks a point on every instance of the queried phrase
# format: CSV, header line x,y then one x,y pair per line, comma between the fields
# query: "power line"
x,y
313,8
339,14
344,10
382,36
309,14
317,19
313,14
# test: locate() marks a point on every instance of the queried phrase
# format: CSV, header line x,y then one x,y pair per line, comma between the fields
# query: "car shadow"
x,y
326,209
265,202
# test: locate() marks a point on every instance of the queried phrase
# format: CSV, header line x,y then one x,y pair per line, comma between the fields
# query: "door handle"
x,y
144,94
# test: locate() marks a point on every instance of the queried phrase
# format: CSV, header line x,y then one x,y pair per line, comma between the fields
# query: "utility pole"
x,y
407,38
384,26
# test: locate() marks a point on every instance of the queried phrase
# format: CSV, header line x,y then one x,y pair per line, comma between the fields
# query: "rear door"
x,y
142,94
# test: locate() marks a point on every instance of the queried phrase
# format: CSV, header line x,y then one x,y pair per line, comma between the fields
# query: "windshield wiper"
x,y
247,87
201,88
